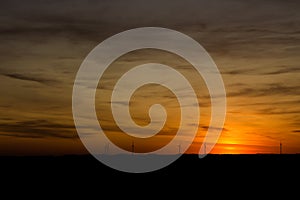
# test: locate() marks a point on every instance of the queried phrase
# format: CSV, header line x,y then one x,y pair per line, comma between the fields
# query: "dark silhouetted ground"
x,y
214,171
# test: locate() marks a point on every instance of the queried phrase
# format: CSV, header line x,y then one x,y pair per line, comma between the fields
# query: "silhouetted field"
x,y
211,165
247,172
251,175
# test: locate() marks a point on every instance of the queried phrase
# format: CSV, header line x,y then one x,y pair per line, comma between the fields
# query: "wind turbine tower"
x,y
179,148
132,147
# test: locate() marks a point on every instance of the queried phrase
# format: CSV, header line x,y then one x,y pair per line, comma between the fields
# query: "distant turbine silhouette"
x,y
106,148
280,148
132,147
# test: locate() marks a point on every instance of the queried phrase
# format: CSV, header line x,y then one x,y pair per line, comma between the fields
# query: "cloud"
x,y
37,129
267,103
284,70
296,131
277,111
84,18
29,78
114,129
122,103
239,71
256,71
206,127
267,90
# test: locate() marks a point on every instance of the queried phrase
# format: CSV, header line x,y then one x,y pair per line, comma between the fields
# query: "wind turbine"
x,y
132,147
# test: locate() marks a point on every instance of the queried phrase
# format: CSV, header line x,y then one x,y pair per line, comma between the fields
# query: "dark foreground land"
x,y
254,171
211,165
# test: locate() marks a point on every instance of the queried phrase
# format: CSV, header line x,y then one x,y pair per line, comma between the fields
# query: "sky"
x,y
255,44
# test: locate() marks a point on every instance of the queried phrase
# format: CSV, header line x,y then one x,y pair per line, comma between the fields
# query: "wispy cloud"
x,y
276,102
277,111
29,78
37,129
284,70
258,70
211,127
266,90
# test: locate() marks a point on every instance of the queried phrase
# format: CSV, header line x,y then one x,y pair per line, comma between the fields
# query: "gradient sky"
x,y
255,44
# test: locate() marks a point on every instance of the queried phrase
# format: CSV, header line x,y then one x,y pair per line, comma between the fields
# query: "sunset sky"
x,y
255,44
